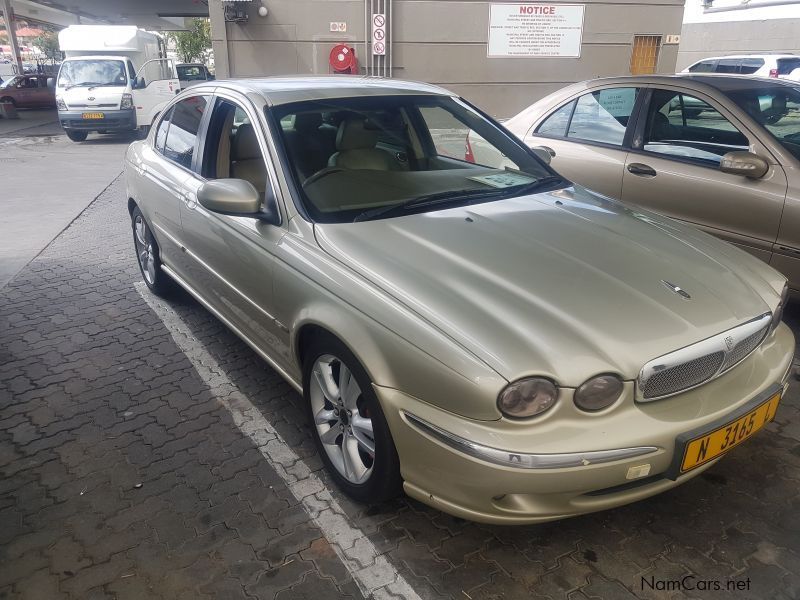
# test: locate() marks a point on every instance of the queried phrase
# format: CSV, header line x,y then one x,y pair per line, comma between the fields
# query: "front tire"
x,y
347,423
77,136
9,100
148,256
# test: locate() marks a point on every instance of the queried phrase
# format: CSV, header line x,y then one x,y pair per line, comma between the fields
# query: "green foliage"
x,y
193,44
48,44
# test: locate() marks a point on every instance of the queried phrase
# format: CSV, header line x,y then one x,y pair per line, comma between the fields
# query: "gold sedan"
x,y
485,335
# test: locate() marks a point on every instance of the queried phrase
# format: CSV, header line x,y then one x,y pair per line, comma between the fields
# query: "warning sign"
x,y
535,30
379,34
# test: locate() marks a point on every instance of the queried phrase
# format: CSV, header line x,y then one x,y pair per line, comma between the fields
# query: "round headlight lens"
x,y
527,397
598,393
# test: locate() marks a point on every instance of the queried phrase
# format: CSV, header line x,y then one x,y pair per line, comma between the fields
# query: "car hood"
x,y
565,284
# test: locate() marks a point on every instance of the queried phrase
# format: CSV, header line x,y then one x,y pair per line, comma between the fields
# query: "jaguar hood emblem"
x,y
677,289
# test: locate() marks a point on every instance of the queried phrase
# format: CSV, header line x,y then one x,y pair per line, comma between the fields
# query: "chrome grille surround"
x,y
699,363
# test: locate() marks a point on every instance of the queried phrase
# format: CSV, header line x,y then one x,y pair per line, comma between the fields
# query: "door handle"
x,y
641,170
190,200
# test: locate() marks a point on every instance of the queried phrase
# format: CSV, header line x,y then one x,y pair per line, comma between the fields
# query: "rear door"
x,y
673,168
588,137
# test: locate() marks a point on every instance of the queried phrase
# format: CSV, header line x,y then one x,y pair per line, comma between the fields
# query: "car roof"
x,y
283,90
705,81
762,55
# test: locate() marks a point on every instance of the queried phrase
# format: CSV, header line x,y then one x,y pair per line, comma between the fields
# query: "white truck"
x,y
113,78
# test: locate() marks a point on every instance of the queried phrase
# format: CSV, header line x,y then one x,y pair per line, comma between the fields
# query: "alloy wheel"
x,y
342,419
144,249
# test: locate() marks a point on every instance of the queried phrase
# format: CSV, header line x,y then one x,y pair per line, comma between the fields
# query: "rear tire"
x,y
348,424
148,256
10,100
77,136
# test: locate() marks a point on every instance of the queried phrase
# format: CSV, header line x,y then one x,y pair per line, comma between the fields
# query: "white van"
x,y
114,78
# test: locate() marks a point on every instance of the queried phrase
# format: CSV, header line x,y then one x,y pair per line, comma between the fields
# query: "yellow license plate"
x,y
94,115
707,447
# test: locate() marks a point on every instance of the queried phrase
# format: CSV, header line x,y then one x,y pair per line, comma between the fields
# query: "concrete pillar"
x,y
219,39
11,29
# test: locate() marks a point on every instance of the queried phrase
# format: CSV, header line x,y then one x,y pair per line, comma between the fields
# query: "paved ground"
x,y
128,472
46,181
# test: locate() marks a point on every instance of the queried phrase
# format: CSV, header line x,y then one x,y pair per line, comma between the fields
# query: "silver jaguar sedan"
x,y
496,341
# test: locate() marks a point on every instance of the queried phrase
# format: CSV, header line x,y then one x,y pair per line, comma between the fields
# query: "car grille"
x,y
699,363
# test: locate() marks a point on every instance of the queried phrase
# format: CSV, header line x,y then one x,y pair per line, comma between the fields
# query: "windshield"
x,y
777,108
361,158
9,83
92,72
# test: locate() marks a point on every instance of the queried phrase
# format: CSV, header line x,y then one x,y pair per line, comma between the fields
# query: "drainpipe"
x,y
12,35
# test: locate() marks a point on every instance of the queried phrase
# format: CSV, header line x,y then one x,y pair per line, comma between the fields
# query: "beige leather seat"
x,y
355,145
247,162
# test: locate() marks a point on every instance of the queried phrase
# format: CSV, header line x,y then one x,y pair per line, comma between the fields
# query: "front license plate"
x,y
709,446
94,115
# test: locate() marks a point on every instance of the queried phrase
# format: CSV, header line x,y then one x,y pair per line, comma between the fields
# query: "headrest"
x,y
307,122
245,143
353,135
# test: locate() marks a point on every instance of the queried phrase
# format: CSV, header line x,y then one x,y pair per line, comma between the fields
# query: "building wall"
x,y
442,42
701,40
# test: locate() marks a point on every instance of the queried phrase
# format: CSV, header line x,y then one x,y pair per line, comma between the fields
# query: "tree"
x,y
48,44
193,44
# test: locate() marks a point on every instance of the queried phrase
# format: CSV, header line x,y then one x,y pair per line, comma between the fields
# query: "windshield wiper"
x,y
457,196
83,84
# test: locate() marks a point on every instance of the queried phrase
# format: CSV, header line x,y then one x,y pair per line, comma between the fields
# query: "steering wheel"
x,y
320,174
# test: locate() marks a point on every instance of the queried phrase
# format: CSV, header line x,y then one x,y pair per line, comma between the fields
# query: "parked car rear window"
x,y
182,133
787,65
602,116
777,109
683,126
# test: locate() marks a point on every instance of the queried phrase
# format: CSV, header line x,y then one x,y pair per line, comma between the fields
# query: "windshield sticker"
x,y
503,180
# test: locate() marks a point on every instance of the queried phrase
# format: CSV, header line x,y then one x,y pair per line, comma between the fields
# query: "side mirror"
x,y
542,154
139,84
237,198
743,163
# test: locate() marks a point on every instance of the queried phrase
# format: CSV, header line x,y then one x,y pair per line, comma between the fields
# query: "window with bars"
x,y
644,56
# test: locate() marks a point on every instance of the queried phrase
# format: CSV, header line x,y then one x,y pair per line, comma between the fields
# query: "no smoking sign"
x,y
379,34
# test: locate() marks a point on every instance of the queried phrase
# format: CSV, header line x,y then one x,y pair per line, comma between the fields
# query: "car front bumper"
x,y
113,120
568,463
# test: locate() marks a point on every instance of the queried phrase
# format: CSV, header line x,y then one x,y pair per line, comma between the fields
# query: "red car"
x,y
28,91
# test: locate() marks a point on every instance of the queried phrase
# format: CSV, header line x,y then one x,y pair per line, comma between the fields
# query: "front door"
x,y
587,137
156,84
673,169
233,257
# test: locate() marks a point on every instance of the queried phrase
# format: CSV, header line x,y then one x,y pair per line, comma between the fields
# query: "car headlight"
x,y
527,397
127,101
598,393
60,104
777,315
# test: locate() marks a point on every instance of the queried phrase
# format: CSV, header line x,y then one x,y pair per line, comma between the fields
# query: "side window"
x,y
232,149
705,66
131,71
182,133
161,132
728,65
602,116
556,124
683,126
748,66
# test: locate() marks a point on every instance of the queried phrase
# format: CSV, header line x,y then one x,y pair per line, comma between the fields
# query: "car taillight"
x,y
773,72
468,155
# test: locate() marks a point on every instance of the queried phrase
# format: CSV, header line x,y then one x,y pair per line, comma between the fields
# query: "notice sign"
x,y
535,30
379,34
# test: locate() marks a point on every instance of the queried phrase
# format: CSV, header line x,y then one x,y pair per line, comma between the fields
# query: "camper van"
x,y
113,78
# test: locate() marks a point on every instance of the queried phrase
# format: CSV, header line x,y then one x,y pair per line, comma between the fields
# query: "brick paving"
x,y
124,476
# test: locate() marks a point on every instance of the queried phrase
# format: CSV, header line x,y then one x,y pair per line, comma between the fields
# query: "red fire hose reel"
x,y
343,59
